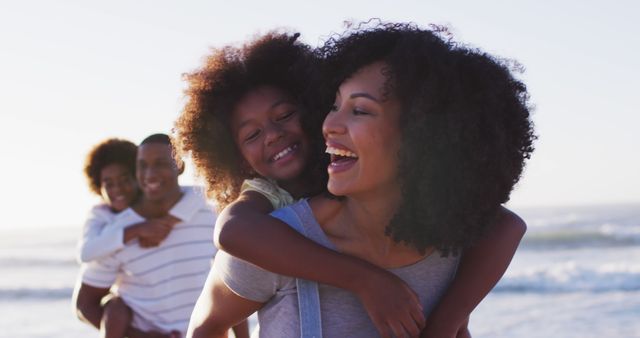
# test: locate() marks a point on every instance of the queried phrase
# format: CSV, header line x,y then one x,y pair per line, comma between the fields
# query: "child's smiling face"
x,y
118,186
267,130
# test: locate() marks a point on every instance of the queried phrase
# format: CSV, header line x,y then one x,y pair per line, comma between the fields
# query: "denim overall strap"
x,y
308,296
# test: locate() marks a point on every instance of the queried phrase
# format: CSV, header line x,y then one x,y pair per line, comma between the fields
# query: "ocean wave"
x,y
554,217
602,235
600,226
36,293
571,277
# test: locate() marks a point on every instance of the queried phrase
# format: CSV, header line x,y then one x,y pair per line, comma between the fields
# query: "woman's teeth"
x,y
341,152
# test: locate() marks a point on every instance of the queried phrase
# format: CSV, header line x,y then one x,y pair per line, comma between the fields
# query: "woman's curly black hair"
x,y
466,128
203,127
107,152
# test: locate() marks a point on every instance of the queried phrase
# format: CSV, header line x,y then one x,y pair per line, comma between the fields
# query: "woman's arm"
x,y
218,309
481,267
245,230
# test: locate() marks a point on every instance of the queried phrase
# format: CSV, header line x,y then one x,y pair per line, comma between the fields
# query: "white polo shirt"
x,y
160,284
102,235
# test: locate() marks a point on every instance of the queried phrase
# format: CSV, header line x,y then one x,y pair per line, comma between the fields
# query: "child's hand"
x,y
154,231
392,306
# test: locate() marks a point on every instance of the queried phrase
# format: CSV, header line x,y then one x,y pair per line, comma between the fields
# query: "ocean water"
x,y
576,274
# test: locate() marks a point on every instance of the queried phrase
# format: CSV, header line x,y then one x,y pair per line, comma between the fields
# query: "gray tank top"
x,y
342,313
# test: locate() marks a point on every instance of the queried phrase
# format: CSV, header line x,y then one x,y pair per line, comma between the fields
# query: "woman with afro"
x,y
426,140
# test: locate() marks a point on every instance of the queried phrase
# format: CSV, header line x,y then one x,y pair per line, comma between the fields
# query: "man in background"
x,y
152,290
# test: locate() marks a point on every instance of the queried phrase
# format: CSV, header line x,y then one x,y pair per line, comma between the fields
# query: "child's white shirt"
x,y
278,197
102,235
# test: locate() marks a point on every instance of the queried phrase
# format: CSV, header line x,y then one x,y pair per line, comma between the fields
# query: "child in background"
x,y
247,131
110,172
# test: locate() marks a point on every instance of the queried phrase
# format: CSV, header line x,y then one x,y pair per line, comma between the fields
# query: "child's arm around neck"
x,y
93,244
245,230
481,267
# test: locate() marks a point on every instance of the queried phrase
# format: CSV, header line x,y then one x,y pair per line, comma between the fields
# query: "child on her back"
x,y
247,131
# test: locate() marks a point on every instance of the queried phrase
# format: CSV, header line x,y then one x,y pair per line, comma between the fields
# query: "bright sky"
x,y
73,73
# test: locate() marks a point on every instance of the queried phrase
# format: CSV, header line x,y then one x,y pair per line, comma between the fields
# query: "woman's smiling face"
x,y
362,134
267,130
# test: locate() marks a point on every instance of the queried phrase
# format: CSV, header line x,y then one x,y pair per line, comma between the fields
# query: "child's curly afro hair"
x,y
107,152
203,127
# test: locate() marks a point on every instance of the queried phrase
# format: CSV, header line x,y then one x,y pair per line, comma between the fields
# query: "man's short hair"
x,y
166,140
157,138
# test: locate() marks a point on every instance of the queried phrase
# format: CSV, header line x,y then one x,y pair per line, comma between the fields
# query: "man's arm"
x,y
481,267
89,309
87,300
94,282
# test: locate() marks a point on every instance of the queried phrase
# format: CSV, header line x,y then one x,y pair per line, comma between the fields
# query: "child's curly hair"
x,y
107,152
466,129
203,128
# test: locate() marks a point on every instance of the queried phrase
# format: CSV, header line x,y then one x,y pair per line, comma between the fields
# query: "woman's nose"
x,y
333,124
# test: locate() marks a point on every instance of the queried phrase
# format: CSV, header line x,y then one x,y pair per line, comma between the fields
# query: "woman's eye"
x,y
357,111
